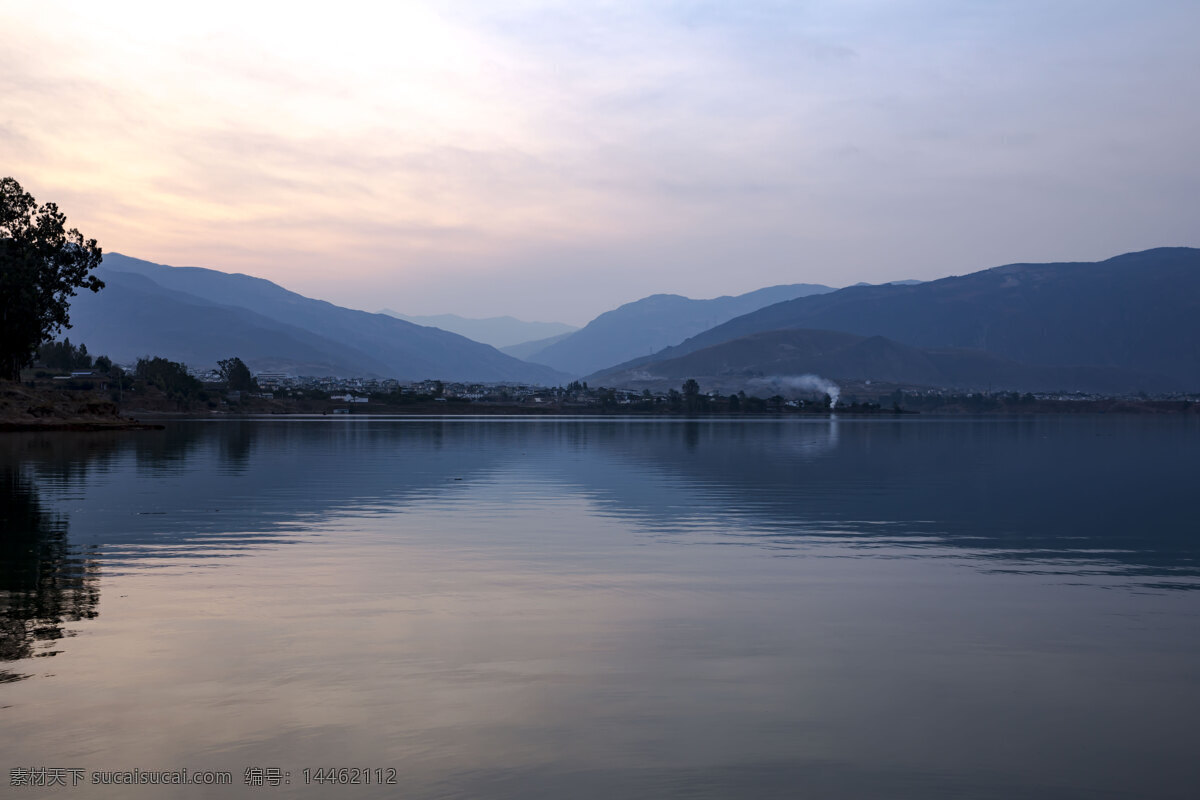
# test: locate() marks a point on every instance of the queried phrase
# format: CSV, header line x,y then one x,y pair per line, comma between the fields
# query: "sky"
x,y
552,160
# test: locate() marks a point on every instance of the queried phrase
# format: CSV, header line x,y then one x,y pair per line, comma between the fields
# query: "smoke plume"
x,y
778,384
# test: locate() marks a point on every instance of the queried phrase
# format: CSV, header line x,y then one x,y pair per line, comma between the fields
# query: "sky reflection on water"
x,y
911,608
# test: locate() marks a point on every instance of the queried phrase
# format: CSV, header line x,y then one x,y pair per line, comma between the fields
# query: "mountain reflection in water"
x,y
1111,493
531,607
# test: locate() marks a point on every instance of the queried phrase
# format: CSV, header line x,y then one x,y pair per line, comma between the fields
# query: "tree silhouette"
x,y
170,376
691,395
64,355
41,266
237,375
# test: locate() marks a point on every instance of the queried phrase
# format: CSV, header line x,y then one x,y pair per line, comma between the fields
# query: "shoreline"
x,y
26,409
81,426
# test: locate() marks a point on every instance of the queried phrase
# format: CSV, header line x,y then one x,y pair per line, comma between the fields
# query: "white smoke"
x,y
778,384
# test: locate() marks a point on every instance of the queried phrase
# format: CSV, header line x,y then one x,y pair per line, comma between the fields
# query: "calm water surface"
x,y
911,608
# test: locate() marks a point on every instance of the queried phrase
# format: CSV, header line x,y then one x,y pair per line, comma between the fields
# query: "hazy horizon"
x,y
428,318
489,160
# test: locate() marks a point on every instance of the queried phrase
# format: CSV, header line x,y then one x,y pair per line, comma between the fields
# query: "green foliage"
x,y
692,399
119,382
41,265
753,404
170,376
237,375
65,356
646,402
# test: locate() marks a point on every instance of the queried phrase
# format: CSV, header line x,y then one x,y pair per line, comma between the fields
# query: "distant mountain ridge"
x,y
499,332
652,323
199,316
1135,312
525,349
908,282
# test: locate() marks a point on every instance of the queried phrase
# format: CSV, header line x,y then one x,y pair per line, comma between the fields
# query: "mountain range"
x,y
648,325
1124,324
1127,322
199,316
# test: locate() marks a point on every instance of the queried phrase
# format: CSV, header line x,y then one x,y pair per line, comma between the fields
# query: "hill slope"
x,y
524,350
652,323
1134,312
199,315
741,363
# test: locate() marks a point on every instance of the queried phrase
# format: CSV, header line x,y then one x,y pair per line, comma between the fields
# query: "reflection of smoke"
x,y
799,383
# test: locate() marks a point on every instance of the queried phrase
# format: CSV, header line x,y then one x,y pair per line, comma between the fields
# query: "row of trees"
x,y
66,356
689,399
172,377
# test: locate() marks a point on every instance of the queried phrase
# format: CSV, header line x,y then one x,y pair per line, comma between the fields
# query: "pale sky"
x,y
552,160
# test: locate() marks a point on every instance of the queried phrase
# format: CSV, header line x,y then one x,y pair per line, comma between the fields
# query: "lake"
x,y
593,608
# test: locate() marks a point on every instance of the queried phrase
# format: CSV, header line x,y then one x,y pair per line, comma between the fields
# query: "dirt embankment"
x,y
46,407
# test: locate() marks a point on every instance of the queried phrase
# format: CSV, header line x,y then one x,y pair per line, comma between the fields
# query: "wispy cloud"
x,y
571,156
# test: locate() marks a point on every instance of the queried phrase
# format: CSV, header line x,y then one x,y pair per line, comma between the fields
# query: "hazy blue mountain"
x,y
652,323
499,332
199,315
525,349
1135,312
133,317
734,365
